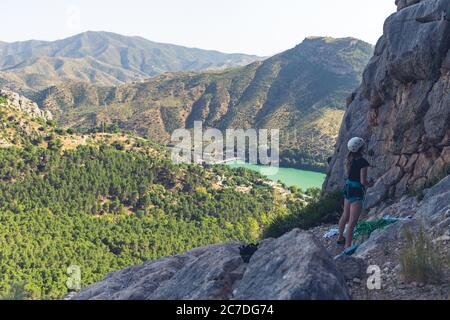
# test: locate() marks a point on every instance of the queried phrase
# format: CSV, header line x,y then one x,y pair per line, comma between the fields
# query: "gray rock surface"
x,y
203,273
386,239
294,266
432,214
435,207
211,275
402,107
401,4
351,267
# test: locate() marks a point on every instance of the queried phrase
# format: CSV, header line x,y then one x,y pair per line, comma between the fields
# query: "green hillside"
x,y
110,200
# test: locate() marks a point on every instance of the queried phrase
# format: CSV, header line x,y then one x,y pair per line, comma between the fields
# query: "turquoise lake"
x,y
291,177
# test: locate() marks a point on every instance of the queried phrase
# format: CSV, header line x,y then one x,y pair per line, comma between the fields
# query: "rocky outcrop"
x,y
384,250
18,102
203,273
292,267
431,213
401,4
403,105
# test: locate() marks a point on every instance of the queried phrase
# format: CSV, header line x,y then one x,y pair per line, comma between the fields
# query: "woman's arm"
x,y
364,180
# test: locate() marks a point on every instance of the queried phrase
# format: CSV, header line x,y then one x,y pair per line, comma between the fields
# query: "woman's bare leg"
x,y
344,219
355,212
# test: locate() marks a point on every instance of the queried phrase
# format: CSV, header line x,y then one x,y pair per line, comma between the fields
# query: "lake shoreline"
x,y
303,179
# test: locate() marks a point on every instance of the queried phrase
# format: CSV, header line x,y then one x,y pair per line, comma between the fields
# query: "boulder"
x,y
210,276
380,190
432,213
435,206
204,273
293,267
351,267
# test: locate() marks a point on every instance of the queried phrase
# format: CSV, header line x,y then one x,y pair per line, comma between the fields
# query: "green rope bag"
x,y
364,229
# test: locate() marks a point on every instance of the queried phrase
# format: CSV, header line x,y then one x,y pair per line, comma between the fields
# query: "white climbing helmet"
x,y
355,144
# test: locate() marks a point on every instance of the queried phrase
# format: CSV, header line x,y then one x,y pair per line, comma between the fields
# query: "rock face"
x,y
204,273
294,267
432,214
351,267
403,105
16,101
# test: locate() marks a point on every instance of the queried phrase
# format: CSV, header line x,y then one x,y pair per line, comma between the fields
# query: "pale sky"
x,y
262,27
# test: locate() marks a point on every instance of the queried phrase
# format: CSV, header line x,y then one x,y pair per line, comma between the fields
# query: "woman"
x,y
355,185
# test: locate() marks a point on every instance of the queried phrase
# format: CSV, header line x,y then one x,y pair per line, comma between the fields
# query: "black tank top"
x,y
355,169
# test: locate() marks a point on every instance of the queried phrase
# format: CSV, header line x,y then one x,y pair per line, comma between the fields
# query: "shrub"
x,y
60,131
419,259
3,100
118,145
51,123
38,140
325,210
54,145
16,291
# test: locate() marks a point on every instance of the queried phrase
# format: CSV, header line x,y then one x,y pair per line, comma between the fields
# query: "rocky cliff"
x,y
402,107
21,120
20,103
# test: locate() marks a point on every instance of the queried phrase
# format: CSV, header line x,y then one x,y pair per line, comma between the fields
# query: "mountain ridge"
x,y
104,58
289,91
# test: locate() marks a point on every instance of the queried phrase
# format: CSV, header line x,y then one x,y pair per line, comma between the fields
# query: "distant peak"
x,y
330,39
319,41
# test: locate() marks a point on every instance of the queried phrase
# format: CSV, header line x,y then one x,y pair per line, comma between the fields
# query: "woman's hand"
x,y
366,183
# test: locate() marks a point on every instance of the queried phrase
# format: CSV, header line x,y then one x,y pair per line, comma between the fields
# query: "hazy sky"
x,y
262,27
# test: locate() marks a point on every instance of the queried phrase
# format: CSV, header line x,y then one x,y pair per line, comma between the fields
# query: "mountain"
x,y
301,91
402,253
402,107
102,58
